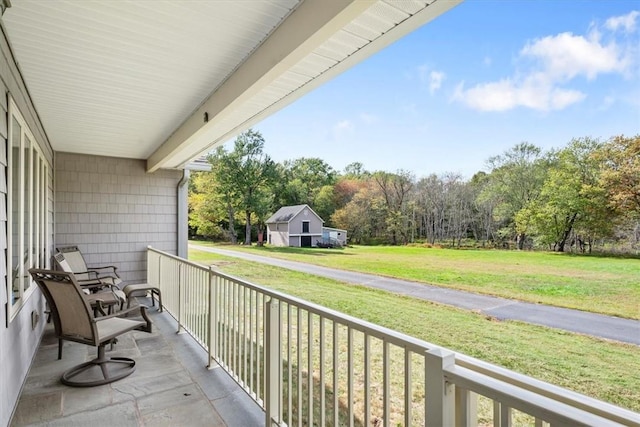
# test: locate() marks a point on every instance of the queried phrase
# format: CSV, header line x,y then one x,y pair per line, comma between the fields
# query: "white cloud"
x,y
429,78
508,94
342,127
626,22
548,65
487,61
435,81
566,56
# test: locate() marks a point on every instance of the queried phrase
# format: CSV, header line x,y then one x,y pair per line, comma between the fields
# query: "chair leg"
x,y
59,349
157,292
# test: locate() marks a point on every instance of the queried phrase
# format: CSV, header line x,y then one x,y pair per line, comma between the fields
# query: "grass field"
x,y
605,370
598,284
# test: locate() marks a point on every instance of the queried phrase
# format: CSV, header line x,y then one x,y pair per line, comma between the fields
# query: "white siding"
x,y
277,235
18,340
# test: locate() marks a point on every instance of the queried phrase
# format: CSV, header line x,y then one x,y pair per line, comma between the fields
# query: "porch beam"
x,y
306,28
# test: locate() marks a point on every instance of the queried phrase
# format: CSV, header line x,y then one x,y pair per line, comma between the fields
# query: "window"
x,y
305,226
27,244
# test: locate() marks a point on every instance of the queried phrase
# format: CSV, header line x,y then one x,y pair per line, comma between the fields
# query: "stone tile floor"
x,y
170,387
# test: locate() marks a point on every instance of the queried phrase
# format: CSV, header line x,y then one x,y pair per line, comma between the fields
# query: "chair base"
x,y
101,362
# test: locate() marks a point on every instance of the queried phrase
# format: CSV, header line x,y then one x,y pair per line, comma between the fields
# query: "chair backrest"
x,y
70,260
74,257
72,315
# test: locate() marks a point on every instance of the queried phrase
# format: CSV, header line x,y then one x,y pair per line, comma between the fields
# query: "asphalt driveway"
x,y
598,325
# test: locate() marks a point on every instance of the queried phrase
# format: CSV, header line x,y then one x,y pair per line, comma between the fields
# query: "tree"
x,y
245,176
206,218
395,189
570,199
620,177
363,216
620,174
302,179
515,181
485,202
355,170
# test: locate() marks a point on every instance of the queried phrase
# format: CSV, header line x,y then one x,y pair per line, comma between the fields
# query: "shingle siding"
x,y
112,209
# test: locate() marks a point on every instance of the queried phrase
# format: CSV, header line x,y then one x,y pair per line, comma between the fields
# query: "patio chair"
x,y
74,321
77,264
70,260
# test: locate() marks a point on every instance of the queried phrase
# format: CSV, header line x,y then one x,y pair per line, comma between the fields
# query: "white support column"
x,y
273,365
211,313
440,397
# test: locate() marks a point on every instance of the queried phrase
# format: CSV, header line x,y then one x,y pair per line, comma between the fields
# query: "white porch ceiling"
x,y
134,78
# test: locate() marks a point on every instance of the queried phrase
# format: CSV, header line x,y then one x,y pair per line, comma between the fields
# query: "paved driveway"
x,y
609,327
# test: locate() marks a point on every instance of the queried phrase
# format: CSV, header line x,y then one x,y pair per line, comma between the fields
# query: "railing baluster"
x,y
336,349
289,367
367,379
466,407
322,408
386,384
260,356
351,415
408,387
299,347
505,416
310,367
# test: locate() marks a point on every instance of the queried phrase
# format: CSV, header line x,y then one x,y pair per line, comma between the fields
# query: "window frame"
x,y
31,227
308,224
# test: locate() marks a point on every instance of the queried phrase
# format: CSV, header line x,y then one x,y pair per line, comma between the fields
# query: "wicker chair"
x,y
74,320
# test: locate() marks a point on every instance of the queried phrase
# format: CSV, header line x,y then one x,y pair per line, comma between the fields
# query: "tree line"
x,y
583,196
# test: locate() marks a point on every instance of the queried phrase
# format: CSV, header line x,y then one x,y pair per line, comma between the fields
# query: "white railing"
x,y
308,365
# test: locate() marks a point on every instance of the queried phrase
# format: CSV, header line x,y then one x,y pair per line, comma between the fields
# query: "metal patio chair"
x,y
71,260
74,320
83,272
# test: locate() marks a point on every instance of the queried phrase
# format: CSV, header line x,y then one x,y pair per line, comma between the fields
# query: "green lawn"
x,y
605,370
598,284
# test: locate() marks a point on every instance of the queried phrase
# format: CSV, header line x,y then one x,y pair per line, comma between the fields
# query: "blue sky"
x,y
471,84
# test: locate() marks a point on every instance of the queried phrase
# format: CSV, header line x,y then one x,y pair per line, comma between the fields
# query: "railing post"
x,y
211,331
273,365
179,311
440,398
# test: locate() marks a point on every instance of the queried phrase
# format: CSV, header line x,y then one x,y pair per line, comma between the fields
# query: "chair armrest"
x,y
143,313
106,267
92,284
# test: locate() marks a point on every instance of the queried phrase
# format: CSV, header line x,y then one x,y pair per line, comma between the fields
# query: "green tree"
x,y
206,216
302,179
570,203
515,181
245,177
